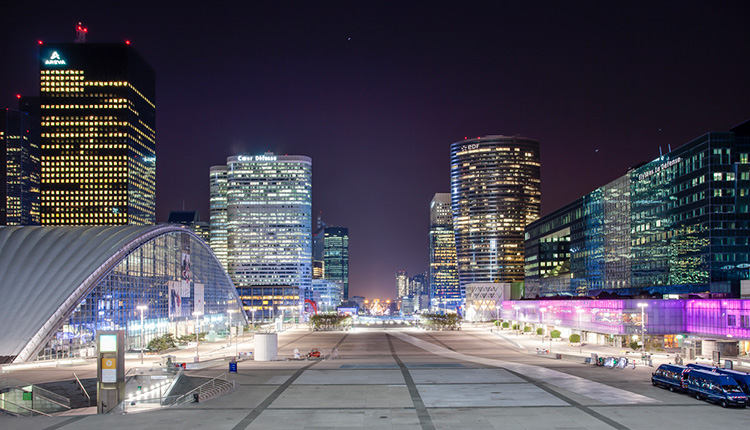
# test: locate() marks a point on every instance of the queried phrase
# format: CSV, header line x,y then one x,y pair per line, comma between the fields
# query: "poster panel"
x,y
198,299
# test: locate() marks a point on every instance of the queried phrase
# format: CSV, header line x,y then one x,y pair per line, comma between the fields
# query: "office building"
x,y
218,213
19,174
444,289
677,225
495,192
402,284
336,257
192,220
98,135
268,225
330,294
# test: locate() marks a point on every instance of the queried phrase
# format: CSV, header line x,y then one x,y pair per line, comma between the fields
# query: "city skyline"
x,y
375,96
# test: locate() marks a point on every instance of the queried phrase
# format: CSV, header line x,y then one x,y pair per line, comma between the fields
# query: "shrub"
x,y
527,329
161,343
555,334
506,324
575,338
634,345
515,326
497,323
540,331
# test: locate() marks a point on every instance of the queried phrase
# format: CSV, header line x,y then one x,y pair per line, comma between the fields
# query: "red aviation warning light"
x,y
127,42
40,42
81,33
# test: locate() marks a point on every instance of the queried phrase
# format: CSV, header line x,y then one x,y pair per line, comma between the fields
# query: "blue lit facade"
x,y
93,278
675,225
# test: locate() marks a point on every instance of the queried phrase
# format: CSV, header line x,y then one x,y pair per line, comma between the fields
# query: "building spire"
x,y
81,33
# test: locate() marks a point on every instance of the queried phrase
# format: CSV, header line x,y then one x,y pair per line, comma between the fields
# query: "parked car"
x,y
670,376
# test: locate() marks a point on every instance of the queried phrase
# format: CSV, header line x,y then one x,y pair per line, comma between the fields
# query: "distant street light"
x,y
643,325
230,312
196,314
143,329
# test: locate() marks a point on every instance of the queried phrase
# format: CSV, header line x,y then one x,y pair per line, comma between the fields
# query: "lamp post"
x,y
196,314
580,311
643,325
544,329
230,312
143,329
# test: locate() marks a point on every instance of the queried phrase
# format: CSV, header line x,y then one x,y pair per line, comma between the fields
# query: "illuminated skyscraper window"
x,y
336,257
495,192
98,135
19,171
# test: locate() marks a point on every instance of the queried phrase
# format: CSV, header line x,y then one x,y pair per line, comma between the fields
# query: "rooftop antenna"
x,y
660,154
81,33
669,145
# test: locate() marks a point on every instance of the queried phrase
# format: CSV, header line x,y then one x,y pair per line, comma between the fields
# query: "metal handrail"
x,y
200,387
82,388
24,407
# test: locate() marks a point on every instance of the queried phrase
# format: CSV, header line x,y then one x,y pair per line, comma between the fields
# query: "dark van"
x,y
699,366
742,378
670,376
715,388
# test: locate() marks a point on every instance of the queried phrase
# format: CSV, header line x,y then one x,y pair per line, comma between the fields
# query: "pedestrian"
x,y
633,364
296,353
335,352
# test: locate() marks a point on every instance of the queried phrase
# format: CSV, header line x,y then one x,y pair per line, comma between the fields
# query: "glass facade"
x,y
218,213
98,135
676,225
495,193
265,303
268,223
445,292
719,318
174,275
336,257
19,146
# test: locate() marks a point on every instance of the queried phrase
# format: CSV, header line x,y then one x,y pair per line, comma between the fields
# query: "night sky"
x,y
375,92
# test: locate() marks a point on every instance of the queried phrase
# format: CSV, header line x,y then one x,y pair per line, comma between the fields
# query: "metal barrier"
x,y
82,388
206,390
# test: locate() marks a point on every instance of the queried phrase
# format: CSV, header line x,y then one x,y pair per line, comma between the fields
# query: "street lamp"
x,y
543,310
580,311
643,325
143,334
196,314
230,312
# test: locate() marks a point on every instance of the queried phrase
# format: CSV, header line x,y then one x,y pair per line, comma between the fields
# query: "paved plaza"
x,y
412,379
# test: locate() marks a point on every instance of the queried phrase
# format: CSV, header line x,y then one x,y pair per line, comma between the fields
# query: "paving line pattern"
x,y
425,420
587,388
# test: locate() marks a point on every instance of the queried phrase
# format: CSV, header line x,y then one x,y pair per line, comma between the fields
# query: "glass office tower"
x,y
218,213
675,225
444,289
268,221
336,257
495,193
19,174
98,135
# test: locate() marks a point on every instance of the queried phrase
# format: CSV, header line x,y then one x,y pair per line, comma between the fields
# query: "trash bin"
x,y
196,397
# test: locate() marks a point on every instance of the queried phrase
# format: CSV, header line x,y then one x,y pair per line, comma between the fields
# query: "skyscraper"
x,y
336,257
495,192
444,290
218,213
19,173
98,135
268,219
402,284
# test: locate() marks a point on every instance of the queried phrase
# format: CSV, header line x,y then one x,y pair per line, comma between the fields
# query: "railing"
x,y
18,412
207,387
44,399
82,388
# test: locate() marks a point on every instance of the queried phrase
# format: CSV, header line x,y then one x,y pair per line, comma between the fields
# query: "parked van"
x,y
699,366
742,378
670,376
715,388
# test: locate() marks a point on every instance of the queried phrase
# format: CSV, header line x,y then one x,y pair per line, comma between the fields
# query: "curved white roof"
x,y
46,271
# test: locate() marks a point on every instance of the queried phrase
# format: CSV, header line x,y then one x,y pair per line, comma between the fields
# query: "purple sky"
x,y
375,93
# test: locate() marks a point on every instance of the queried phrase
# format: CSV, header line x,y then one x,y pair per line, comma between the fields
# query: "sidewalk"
x,y
531,343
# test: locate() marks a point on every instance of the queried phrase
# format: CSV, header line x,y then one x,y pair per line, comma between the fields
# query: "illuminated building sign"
x,y
659,168
247,158
469,147
55,60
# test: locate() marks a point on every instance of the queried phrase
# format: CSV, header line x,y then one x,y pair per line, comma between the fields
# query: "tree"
x,y
328,322
161,343
506,324
555,334
575,338
540,331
